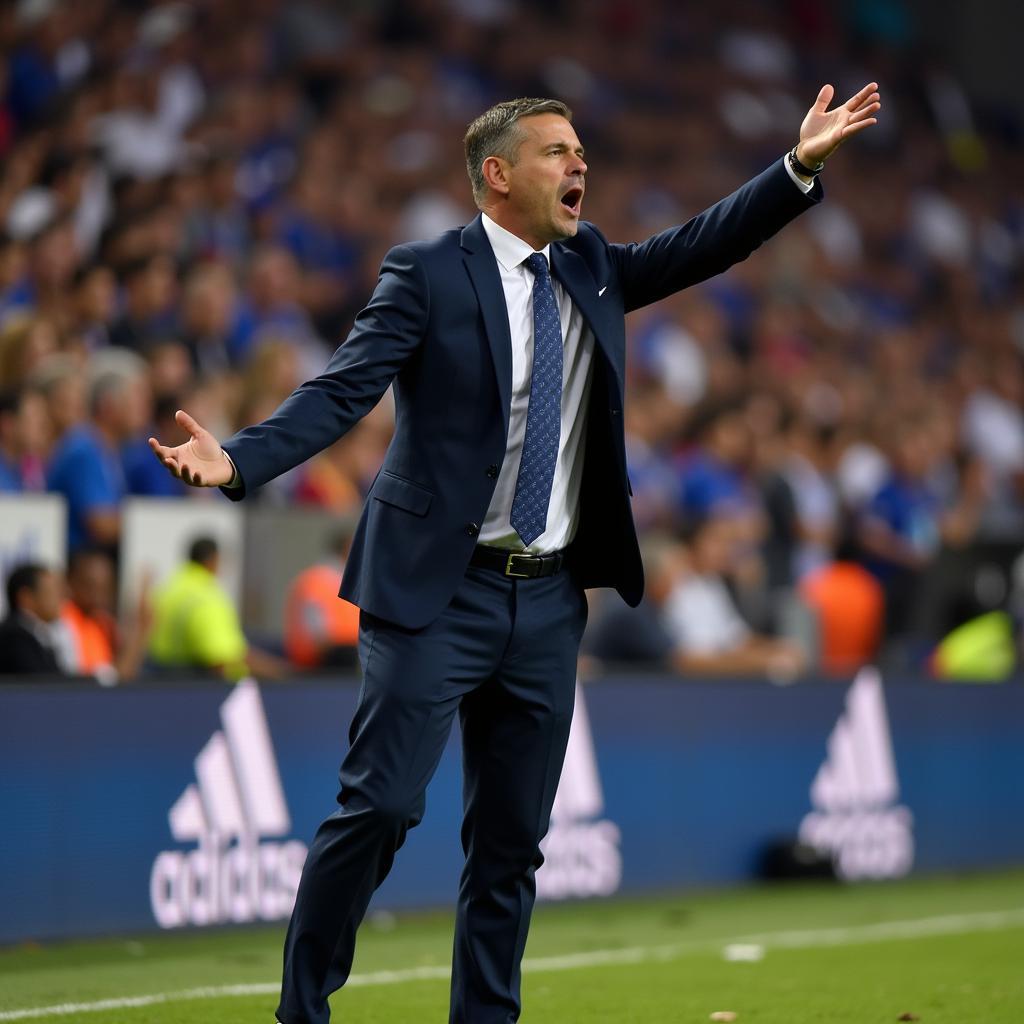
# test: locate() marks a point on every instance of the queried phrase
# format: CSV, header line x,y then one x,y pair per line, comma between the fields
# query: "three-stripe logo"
x,y
236,801
857,818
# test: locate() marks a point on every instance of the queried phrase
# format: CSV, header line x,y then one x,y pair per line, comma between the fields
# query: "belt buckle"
x,y
508,567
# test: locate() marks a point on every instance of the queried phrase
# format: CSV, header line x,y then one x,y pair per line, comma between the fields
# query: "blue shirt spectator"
x,y
911,511
708,486
90,477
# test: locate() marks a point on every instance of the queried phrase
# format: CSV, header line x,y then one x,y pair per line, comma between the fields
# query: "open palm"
x,y
200,461
824,130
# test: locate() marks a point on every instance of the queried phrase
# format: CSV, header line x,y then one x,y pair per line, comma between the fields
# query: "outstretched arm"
x,y
322,410
733,228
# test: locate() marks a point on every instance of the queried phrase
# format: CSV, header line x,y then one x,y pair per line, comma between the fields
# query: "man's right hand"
x,y
200,461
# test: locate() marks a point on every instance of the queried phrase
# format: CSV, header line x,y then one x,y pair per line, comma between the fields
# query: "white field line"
x,y
949,924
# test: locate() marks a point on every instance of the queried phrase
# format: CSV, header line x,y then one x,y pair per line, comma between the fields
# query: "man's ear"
x,y
495,172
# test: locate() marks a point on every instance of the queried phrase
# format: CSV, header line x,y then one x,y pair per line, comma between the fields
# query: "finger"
x,y
868,100
858,98
825,94
852,129
161,451
866,112
186,422
874,100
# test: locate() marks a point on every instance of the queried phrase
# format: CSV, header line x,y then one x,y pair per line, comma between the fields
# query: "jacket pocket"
x,y
402,493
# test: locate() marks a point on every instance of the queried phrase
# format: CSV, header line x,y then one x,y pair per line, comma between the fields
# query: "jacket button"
x,y
472,529
492,471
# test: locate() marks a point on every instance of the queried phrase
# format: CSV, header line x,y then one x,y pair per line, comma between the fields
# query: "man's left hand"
x,y
823,131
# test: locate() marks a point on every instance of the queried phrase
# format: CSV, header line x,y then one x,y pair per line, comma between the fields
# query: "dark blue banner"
x,y
191,805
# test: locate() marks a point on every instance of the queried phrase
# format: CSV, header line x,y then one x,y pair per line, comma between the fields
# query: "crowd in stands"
x,y
195,197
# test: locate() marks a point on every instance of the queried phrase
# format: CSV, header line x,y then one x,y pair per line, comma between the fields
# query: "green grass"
x,y
672,969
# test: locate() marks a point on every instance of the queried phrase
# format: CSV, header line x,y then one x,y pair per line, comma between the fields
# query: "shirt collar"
x,y
509,250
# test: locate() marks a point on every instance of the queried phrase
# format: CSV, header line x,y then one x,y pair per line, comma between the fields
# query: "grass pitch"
x,y
948,951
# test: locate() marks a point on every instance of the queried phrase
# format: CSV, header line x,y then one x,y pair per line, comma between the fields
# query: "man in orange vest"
x,y
320,628
100,647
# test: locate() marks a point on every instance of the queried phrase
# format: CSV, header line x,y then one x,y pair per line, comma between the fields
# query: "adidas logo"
x,y
237,798
581,851
857,818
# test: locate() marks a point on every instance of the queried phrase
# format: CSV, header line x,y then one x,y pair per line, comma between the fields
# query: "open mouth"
x,y
572,199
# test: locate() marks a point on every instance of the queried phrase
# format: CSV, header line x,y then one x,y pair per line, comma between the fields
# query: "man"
x,y
109,651
86,465
195,623
709,636
28,643
24,435
506,345
320,629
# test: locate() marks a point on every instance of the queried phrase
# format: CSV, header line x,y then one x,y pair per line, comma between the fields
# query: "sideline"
x,y
882,931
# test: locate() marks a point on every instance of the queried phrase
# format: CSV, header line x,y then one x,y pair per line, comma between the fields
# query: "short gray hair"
x,y
496,132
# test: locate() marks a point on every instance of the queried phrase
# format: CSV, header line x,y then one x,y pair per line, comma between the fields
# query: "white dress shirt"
x,y
577,356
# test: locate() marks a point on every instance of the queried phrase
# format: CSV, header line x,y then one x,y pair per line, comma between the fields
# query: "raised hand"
x,y
200,461
824,130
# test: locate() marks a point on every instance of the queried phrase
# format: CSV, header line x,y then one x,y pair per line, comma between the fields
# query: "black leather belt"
x,y
516,564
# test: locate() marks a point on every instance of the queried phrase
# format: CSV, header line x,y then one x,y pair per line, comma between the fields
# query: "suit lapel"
x,y
483,272
570,269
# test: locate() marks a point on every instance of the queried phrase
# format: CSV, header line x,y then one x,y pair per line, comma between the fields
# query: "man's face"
x,y
92,584
44,599
546,183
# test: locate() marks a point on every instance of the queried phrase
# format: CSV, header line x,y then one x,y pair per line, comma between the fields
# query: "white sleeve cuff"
x,y
236,480
804,186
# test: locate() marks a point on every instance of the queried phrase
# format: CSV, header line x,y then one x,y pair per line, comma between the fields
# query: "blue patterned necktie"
x,y
544,414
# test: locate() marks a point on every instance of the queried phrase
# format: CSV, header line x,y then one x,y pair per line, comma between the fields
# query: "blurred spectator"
x,y
101,647
95,306
652,421
196,625
849,608
208,320
617,633
308,226
709,635
321,629
993,430
150,289
53,261
26,344
15,289
24,436
86,465
712,475
981,646
903,527
28,643
808,471
218,226
272,308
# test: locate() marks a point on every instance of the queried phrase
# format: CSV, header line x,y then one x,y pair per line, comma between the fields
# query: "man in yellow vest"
x,y
196,625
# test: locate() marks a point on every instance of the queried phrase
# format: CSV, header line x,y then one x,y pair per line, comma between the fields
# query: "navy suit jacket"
x,y
437,327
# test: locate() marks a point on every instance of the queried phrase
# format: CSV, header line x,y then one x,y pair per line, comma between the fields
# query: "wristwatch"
x,y
800,168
